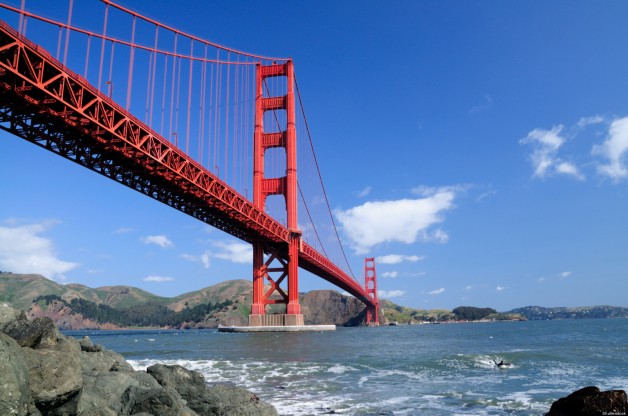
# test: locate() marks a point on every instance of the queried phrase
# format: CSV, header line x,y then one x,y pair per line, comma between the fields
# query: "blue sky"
x,y
477,149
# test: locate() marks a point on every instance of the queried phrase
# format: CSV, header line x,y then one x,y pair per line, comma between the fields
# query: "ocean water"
x,y
445,369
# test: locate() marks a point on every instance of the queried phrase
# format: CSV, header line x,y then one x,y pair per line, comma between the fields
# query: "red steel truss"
x,y
47,104
370,284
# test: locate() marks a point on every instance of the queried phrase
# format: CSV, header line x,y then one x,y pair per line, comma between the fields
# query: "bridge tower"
x,y
277,266
370,284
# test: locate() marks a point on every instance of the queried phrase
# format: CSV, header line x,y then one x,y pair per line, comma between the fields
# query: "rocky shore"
x,y
43,372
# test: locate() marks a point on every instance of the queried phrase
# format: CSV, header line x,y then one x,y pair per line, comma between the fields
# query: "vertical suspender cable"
x,y
110,82
67,33
226,165
89,43
187,129
178,96
172,84
102,47
163,98
130,78
59,42
153,76
20,28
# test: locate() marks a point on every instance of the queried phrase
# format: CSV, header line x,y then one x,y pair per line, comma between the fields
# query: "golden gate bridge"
x,y
214,132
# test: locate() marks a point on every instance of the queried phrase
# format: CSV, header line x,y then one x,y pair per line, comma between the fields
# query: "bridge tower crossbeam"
x,y
276,269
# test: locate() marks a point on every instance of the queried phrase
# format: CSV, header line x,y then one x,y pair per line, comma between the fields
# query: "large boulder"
x,y
591,401
217,400
55,377
15,395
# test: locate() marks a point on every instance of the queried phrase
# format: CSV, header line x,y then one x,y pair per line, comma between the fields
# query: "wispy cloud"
x,y
388,294
609,157
565,275
23,249
403,220
123,230
234,252
500,288
436,291
364,192
397,258
158,279
160,240
544,157
390,275
614,150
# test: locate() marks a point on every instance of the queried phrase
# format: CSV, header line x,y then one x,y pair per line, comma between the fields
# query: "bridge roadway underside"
x,y
46,104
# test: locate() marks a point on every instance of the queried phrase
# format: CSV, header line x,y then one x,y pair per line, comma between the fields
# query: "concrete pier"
x,y
295,328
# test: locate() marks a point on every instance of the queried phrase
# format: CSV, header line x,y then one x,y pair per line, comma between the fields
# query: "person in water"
x,y
501,364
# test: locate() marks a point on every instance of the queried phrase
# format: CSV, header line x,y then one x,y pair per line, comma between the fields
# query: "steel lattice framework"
x,y
47,104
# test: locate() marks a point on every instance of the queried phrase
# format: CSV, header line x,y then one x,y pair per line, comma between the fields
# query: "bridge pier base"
x,y
279,319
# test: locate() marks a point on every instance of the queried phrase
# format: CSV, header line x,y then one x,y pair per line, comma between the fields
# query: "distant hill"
x,y
586,312
75,306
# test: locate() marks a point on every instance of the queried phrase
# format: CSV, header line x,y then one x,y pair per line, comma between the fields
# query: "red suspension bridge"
x,y
211,131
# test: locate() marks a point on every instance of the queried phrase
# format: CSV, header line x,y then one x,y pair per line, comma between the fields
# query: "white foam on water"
x,y
340,369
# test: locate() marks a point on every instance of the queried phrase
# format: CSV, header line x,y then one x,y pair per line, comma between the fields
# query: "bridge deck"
x,y
45,103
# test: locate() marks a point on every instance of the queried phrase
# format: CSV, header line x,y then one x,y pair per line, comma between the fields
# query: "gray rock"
x,y
104,361
164,401
230,400
103,392
39,333
218,400
88,346
15,396
55,377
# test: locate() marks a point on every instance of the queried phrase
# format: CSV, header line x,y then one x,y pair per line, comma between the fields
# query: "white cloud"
x,y
364,192
396,259
500,288
158,279
614,148
544,157
388,294
468,288
587,121
437,291
24,250
390,275
123,230
404,220
565,275
568,168
160,240
235,252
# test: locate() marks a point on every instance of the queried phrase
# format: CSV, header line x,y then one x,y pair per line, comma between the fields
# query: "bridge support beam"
x,y
370,284
280,262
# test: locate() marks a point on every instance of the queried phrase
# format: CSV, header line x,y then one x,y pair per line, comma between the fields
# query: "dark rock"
x,y
15,396
219,399
39,333
105,390
163,401
54,377
591,401
88,346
